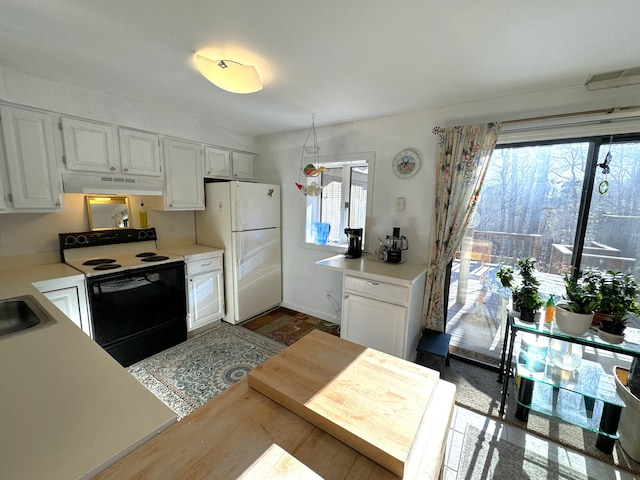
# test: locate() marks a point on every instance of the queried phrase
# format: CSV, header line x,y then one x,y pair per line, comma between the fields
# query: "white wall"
x,y
306,285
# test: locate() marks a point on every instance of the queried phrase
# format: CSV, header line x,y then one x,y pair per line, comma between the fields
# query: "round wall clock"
x,y
406,163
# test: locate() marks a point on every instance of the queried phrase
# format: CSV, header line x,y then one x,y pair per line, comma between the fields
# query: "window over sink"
x,y
345,199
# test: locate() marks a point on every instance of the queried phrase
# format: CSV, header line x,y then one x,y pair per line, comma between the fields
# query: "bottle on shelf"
x,y
550,310
143,216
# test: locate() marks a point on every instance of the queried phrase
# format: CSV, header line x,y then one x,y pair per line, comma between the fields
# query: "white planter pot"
x,y
629,420
610,337
570,323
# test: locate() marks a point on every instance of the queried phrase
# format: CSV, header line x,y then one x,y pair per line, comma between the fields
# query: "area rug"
x,y
186,376
478,390
486,456
287,326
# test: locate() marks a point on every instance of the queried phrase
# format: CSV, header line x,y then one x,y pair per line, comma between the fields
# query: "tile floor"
x,y
463,417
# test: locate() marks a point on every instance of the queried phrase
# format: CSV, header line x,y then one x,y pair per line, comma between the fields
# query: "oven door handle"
x,y
96,291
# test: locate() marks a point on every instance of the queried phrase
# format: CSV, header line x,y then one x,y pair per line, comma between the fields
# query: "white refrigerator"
x,y
244,219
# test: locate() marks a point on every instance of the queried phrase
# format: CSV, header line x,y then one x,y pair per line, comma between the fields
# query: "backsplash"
x,y
33,237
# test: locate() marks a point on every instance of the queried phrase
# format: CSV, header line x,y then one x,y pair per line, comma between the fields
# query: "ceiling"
x,y
340,60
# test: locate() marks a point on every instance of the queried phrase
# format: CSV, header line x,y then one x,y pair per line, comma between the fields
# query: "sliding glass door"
x,y
542,200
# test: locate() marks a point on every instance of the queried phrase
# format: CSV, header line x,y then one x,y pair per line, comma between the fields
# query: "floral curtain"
x,y
462,157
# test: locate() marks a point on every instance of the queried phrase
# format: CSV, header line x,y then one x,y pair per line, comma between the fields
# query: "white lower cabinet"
x,y
206,299
205,284
381,304
373,323
69,294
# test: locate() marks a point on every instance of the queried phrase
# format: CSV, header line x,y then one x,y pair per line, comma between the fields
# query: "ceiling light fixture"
x,y
230,75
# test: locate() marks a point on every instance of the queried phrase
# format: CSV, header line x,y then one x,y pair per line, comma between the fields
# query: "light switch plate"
x,y
400,204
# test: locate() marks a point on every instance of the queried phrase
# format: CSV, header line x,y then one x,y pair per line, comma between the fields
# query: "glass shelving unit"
x,y
585,397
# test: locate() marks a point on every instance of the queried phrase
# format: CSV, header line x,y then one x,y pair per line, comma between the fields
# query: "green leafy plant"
x,y
617,292
505,275
581,294
528,299
616,325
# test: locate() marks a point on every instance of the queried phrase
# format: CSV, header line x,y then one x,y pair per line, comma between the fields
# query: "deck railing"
x,y
504,247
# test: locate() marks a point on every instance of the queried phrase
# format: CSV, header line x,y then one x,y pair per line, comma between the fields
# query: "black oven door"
x,y
139,312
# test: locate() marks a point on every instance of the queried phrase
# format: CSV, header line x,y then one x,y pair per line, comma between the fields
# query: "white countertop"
x,y
195,252
69,410
368,267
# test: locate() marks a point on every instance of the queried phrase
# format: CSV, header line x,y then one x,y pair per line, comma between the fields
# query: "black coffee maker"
x,y
354,242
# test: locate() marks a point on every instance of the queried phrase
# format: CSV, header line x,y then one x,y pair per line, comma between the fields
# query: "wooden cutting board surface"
x,y
277,464
371,401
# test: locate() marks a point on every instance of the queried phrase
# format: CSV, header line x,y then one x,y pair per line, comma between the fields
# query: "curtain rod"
x,y
574,114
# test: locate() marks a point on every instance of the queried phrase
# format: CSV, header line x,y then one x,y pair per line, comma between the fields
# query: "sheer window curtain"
x,y
463,154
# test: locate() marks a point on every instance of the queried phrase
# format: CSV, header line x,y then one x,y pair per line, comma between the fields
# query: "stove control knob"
x,y
81,240
68,241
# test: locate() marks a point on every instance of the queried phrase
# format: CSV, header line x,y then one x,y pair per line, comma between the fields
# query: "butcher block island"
x,y
324,407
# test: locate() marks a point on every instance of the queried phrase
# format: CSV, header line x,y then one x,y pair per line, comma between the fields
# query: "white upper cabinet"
x,y
228,165
184,173
139,152
93,147
243,165
217,162
33,181
89,146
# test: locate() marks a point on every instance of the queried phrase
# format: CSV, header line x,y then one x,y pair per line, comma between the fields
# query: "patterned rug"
x,y
286,326
487,456
186,376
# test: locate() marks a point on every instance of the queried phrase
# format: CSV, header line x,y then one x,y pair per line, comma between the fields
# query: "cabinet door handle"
x,y
369,282
346,296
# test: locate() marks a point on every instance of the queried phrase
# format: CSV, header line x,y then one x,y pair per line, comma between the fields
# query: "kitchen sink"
x,y
21,314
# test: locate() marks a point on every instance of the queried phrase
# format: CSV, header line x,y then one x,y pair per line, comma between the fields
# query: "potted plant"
x,y
617,294
612,330
528,300
575,314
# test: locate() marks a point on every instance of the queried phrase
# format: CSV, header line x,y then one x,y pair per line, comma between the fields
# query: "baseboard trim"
x,y
311,311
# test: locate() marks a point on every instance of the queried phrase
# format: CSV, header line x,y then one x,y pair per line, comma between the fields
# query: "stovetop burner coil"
x,y
99,261
146,254
106,266
155,258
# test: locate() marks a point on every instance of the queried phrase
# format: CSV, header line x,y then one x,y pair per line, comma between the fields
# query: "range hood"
x,y
111,184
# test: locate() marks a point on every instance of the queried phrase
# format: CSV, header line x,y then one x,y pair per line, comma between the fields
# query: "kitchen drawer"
x,y
384,292
204,265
